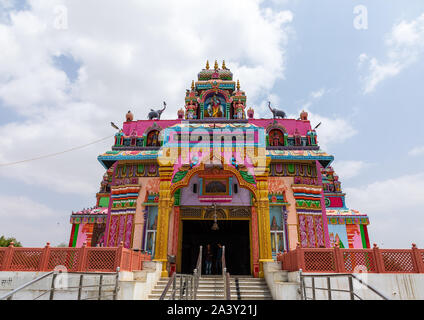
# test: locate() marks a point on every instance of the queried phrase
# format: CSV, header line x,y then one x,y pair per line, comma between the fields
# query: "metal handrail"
x,y
370,287
168,285
197,273
350,277
52,289
225,277
9,295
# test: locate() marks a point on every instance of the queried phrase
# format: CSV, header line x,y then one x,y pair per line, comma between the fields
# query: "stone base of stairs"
x,y
212,288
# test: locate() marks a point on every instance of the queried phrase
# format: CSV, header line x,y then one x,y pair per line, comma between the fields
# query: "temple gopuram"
x,y
216,174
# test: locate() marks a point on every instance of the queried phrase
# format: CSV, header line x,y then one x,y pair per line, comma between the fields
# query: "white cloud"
x,y
32,223
394,207
333,130
405,46
417,151
318,94
20,207
129,57
349,168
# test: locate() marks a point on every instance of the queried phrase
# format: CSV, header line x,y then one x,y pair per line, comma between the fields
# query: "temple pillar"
x,y
174,249
174,238
164,209
139,217
262,209
255,245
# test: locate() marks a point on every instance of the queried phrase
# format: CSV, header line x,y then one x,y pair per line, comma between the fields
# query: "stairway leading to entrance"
x,y
212,288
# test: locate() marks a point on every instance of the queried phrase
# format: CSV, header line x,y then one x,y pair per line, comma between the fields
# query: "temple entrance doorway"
x,y
233,234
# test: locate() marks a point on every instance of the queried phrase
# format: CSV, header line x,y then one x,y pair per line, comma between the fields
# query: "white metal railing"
x,y
350,277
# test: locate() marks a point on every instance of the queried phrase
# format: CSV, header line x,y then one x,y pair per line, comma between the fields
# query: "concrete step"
x,y
212,288
215,297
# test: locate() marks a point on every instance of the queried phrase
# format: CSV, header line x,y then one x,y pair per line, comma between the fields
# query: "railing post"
x,y
45,258
338,257
352,296
52,286
418,259
300,257
115,291
302,295
313,288
329,287
83,258
378,258
131,260
181,287
174,287
119,254
195,284
100,287
80,286
8,257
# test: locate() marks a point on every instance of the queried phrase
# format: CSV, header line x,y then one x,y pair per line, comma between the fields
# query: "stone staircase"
x,y
212,288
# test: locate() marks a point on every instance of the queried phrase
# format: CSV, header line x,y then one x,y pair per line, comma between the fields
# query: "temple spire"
x,y
192,85
207,64
238,85
223,65
216,65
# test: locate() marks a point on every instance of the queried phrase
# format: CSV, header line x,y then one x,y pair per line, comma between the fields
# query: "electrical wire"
x,y
54,154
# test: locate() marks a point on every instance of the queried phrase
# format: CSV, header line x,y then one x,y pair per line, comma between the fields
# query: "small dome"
x,y
129,116
223,74
304,115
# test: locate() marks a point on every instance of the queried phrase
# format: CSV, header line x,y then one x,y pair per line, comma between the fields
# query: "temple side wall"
x,y
135,285
148,184
283,184
285,285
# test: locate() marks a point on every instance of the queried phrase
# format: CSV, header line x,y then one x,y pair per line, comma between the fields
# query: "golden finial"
x,y
216,65
192,85
223,65
238,85
207,64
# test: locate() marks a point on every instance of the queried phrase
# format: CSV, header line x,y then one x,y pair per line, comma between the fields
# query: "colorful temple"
x,y
217,174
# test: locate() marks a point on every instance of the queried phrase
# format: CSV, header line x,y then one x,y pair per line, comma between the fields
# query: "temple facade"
x,y
216,174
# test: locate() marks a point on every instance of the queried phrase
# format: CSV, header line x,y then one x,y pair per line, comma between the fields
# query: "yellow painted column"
x,y
164,209
262,209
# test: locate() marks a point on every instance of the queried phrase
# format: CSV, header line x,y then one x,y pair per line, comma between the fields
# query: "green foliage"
x,y
5,242
62,245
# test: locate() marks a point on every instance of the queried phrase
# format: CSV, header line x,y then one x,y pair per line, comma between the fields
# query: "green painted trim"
x,y
74,240
179,176
247,177
104,202
364,241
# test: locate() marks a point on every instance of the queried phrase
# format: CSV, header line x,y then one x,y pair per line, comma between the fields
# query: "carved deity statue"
x,y
215,109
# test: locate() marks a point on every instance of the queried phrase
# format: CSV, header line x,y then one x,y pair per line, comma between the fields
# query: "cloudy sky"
x,y
68,68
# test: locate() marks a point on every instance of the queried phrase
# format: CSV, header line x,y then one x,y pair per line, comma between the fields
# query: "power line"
x,y
55,154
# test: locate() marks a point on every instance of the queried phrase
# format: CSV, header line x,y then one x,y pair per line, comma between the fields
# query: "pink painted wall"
x,y
324,214
141,125
289,124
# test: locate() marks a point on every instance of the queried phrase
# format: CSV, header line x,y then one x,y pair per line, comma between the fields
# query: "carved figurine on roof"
x,y
155,114
239,103
215,95
275,112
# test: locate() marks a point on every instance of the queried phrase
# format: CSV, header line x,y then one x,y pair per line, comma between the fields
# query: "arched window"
x,y
153,139
276,138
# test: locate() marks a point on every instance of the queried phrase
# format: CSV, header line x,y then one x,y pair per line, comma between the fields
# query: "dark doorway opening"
x,y
233,234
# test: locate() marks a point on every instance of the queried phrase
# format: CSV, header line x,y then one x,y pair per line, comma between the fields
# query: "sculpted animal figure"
x,y
156,114
276,113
